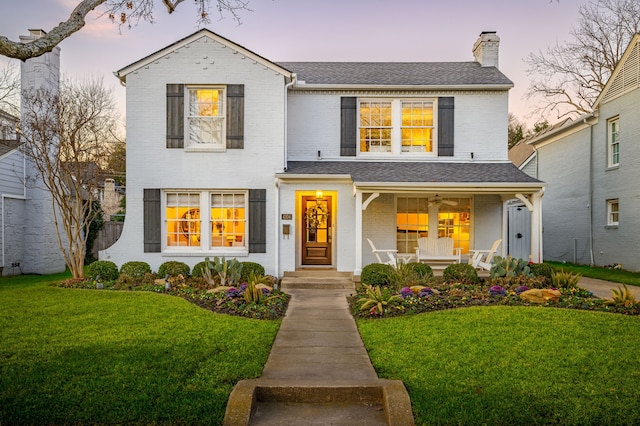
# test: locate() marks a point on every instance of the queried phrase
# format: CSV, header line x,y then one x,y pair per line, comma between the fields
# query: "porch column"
x,y
536,227
358,245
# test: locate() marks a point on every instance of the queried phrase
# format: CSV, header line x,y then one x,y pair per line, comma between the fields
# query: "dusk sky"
x,y
326,30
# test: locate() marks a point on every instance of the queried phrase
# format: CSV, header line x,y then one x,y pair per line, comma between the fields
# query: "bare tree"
x,y
9,89
121,11
66,137
569,76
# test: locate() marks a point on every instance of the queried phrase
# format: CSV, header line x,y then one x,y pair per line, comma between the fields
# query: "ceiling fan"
x,y
437,201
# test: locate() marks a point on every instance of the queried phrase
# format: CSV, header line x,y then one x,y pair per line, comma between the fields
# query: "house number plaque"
x,y
287,216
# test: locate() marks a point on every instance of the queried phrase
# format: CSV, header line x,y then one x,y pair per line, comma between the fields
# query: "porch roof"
x,y
365,172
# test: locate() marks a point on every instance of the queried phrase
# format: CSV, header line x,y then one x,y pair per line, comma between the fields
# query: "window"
x,y
205,117
398,127
413,221
613,209
614,142
223,213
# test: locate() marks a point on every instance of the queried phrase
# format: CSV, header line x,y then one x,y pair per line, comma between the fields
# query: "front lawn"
x,y
607,274
70,356
508,365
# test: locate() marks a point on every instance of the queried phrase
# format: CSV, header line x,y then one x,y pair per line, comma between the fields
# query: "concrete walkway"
x,y
319,373
602,289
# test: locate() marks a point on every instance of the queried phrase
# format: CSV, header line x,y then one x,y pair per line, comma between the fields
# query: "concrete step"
x,y
290,283
315,273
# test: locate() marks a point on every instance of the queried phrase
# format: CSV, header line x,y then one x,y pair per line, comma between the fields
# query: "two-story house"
x,y
295,164
590,164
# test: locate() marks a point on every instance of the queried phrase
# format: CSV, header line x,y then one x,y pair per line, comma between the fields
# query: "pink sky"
x,y
328,30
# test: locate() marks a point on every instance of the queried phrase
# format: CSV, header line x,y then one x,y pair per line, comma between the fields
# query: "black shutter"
x,y
175,115
152,219
445,126
257,221
235,116
348,126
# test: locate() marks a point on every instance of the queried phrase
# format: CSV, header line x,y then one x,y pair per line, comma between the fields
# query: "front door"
x,y
316,230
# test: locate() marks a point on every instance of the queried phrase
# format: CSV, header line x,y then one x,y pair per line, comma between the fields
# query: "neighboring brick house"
x,y
590,214
28,240
294,164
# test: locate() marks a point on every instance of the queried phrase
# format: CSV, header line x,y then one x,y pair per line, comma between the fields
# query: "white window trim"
x,y
610,211
188,146
204,249
396,128
610,144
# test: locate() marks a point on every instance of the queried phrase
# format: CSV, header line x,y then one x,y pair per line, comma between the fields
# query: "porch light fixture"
x,y
319,195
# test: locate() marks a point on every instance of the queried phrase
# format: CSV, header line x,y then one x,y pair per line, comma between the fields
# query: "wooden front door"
x,y
316,230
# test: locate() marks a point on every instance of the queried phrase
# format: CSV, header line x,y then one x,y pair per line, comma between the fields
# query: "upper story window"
x,y
397,126
613,141
205,117
613,211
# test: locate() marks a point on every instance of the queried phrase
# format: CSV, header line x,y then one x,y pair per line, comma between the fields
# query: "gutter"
x,y
303,86
591,259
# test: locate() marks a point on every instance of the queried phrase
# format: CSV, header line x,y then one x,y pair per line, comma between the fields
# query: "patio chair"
x,y
482,258
391,254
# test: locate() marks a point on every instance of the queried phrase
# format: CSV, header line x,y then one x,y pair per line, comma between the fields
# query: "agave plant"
x,y
623,297
376,299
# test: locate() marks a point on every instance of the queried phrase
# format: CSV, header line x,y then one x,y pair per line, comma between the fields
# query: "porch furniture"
x,y
437,250
482,258
390,253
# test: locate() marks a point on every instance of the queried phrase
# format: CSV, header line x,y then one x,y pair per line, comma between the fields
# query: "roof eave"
x,y
471,187
434,87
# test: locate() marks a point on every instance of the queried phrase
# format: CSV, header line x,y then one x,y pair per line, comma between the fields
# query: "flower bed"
x,y
497,291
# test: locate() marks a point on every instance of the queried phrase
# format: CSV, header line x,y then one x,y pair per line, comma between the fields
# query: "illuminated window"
x,y
375,126
205,117
188,215
228,220
412,222
614,141
417,126
183,219
397,127
613,209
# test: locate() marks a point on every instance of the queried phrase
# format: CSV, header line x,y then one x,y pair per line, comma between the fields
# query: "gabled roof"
x,y
122,73
429,74
416,172
520,153
625,77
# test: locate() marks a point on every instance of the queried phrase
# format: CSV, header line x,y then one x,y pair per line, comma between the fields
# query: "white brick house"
x,y
293,165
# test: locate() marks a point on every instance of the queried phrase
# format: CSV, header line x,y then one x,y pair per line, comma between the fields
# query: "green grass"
x,y
72,356
615,275
512,365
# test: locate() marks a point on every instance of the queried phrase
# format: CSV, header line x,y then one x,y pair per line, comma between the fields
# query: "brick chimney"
x,y
485,49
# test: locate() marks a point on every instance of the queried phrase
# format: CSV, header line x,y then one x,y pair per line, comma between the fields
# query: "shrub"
x,y
622,297
421,269
135,269
565,279
377,274
460,272
541,270
198,269
248,268
173,268
105,268
410,274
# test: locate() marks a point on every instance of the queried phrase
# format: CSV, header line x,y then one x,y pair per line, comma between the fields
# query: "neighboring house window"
x,y
228,224
613,210
412,221
223,213
206,117
614,141
397,126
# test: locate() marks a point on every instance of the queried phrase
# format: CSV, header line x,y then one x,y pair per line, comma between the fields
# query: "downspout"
x,y
277,229
592,262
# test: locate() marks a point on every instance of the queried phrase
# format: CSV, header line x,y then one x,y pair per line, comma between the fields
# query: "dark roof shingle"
x,y
396,73
361,171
